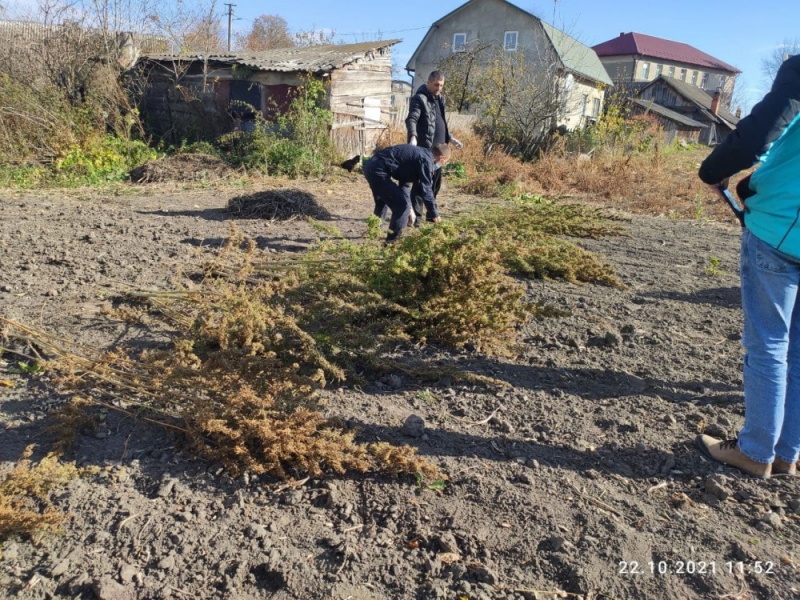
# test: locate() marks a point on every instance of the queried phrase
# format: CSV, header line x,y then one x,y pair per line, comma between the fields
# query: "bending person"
x,y
407,164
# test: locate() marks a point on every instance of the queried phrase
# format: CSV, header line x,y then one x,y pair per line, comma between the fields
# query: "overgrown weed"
x,y
256,342
25,508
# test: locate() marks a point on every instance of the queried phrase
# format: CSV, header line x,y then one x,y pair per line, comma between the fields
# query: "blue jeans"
x,y
770,281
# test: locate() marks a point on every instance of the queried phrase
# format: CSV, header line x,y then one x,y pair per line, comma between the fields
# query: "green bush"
x,y
297,144
104,160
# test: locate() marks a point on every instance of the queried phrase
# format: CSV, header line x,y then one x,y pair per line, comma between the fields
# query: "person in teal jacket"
x,y
769,442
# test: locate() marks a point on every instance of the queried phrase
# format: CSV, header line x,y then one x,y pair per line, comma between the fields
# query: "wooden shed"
x,y
692,102
202,96
675,125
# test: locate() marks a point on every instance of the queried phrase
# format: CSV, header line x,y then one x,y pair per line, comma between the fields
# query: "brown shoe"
x,y
784,468
727,452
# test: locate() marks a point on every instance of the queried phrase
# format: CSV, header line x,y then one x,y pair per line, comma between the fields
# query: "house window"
x,y
646,70
671,72
659,68
722,81
704,81
683,74
584,102
510,41
694,77
596,107
459,42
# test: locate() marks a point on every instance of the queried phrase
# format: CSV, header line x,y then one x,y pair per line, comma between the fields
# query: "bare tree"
x,y
771,64
268,31
314,37
520,96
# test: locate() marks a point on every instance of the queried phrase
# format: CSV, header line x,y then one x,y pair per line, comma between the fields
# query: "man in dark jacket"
x,y
426,126
407,164
769,442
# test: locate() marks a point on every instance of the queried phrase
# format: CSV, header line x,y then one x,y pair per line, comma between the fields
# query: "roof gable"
x,y
574,55
651,46
315,59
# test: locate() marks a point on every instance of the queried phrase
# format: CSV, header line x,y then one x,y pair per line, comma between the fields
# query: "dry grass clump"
x,y
277,204
489,169
24,504
182,167
659,180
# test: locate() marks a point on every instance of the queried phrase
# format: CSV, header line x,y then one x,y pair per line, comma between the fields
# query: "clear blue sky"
x,y
739,32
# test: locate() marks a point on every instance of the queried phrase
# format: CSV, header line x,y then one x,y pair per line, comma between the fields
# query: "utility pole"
x,y
230,19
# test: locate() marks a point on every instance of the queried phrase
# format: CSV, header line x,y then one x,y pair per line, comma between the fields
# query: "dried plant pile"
x,y
182,167
277,204
530,239
254,343
24,505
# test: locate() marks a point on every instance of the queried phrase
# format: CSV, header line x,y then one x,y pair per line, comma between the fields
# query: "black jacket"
x,y
421,120
407,164
754,134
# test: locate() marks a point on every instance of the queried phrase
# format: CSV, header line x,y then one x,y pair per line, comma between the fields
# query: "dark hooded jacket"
x,y
769,134
421,120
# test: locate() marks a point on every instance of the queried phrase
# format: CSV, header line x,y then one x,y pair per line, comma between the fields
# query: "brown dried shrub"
x,y
24,495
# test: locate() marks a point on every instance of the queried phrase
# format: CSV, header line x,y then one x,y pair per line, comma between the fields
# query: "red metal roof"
x,y
648,45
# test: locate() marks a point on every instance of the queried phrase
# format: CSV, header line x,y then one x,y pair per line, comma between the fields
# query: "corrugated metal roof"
x,y
576,56
315,59
648,45
667,113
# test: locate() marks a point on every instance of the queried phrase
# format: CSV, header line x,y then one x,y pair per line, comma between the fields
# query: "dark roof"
x,y
700,98
648,45
315,59
667,113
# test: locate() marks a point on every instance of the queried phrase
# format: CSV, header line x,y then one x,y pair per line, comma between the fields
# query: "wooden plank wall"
x,y
371,78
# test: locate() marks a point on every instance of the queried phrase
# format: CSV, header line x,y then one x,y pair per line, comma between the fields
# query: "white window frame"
x,y
646,71
694,77
659,70
459,47
506,46
595,107
704,81
684,72
671,72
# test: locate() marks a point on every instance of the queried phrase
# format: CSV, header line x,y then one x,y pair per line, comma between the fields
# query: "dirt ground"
x,y
579,478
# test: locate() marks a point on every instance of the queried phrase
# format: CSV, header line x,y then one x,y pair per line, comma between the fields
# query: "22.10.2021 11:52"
x,y
693,567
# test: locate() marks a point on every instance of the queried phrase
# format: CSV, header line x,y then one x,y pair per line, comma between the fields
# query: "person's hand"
x,y
411,219
413,140
456,143
436,219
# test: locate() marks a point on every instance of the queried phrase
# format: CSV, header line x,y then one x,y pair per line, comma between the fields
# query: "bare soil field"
x,y
576,476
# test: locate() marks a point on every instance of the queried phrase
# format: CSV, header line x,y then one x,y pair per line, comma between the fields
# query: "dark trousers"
x,y
387,193
416,195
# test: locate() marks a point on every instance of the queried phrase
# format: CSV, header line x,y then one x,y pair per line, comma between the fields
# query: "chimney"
x,y
715,99
621,33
